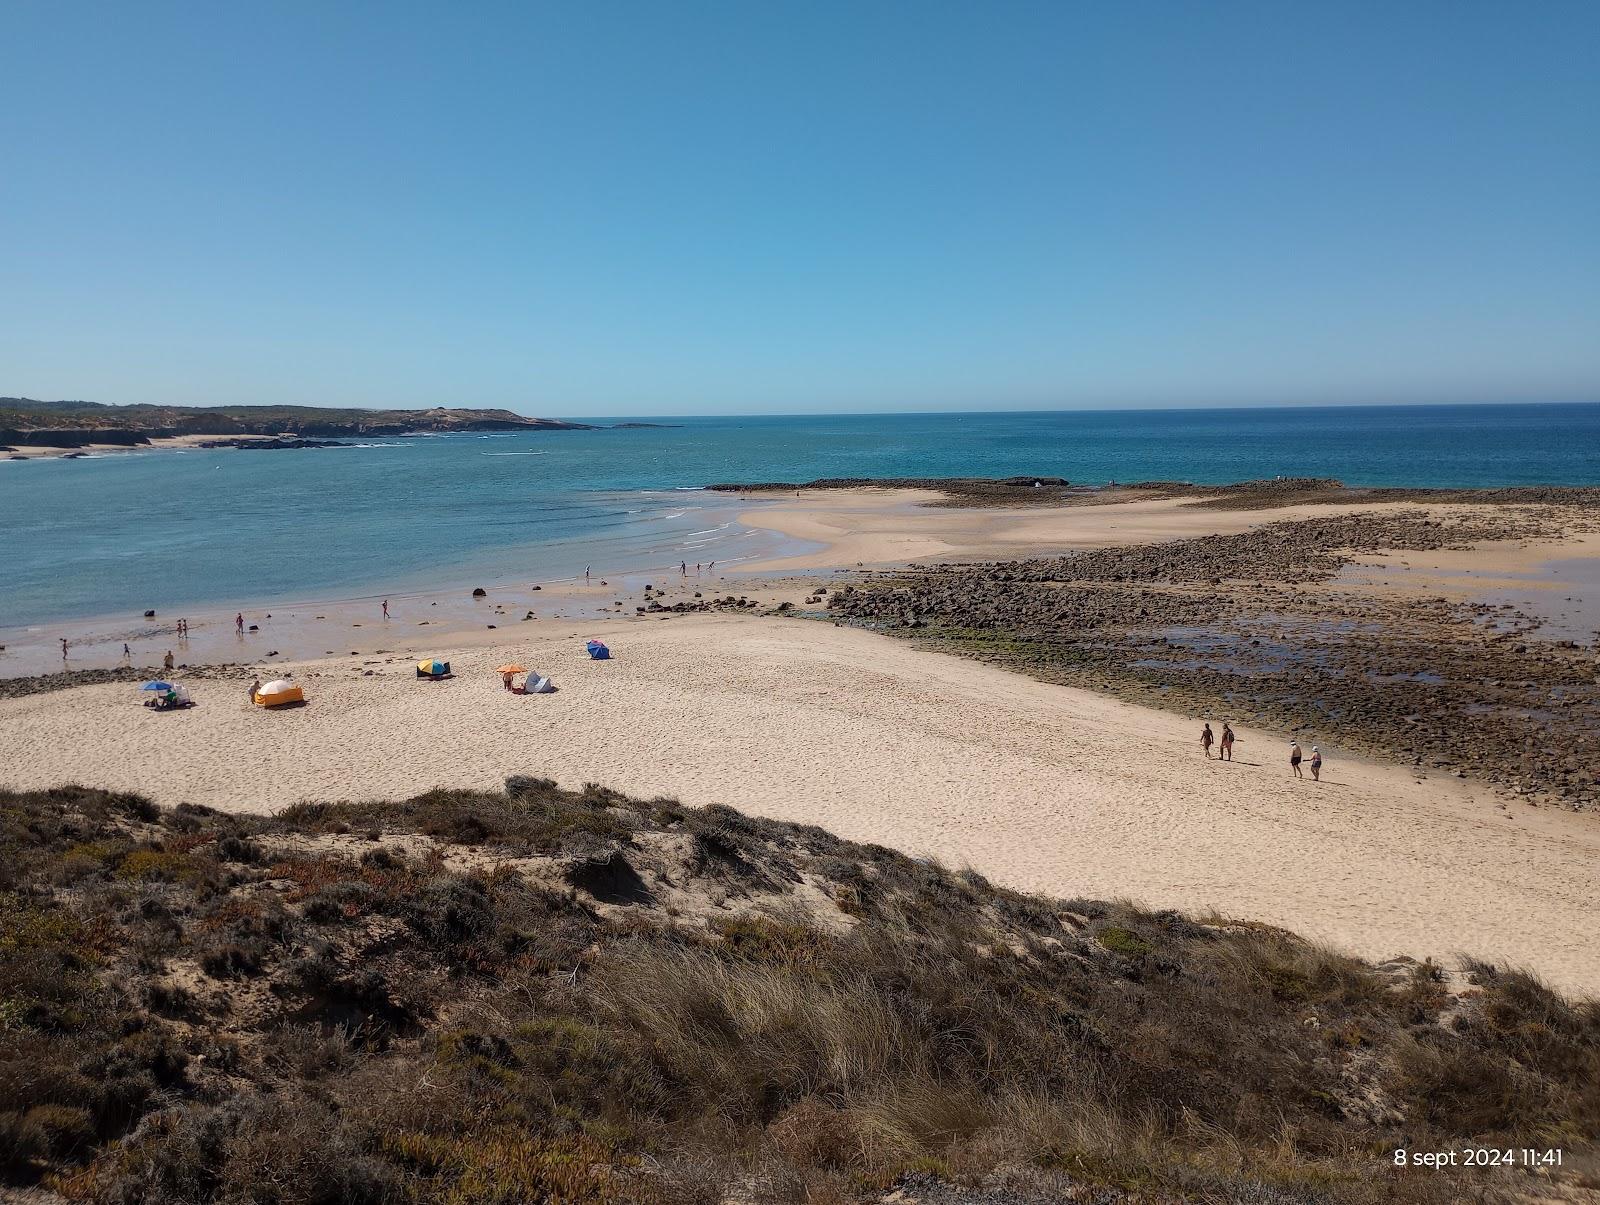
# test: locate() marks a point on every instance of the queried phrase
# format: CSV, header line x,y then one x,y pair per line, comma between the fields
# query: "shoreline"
x,y
299,629
232,440
298,622
822,533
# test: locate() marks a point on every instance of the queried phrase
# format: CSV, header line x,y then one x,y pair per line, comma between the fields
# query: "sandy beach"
x,y
872,527
1039,787
157,444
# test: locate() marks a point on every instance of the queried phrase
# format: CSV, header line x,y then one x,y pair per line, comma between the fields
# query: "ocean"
x,y
125,531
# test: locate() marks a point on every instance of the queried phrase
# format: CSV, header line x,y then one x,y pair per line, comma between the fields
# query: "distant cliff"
x,y
25,422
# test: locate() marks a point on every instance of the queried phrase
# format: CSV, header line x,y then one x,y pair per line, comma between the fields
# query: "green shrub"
x,y
1123,941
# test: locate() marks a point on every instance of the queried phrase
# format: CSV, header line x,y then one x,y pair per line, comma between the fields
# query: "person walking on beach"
x,y
386,608
63,648
1316,764
1226,752
1294,758
127,653
238,623
683,568
1205,740
586,575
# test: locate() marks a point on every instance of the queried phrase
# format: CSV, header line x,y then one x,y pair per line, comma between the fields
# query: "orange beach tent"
x,y
279,693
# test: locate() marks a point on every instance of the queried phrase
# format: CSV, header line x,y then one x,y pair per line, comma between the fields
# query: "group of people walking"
x,y
1225,751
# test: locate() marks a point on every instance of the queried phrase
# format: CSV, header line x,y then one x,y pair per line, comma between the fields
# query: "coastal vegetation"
x,y
548,995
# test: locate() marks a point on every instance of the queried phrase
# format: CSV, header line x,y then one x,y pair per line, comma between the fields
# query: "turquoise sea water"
x,y
124,531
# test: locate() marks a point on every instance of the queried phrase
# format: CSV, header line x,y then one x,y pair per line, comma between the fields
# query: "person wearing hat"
x,y
1316,764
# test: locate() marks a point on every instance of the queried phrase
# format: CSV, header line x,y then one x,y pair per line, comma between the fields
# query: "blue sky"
x,y
636,208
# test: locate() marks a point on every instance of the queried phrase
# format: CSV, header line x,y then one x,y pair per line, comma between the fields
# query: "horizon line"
x,y
885,413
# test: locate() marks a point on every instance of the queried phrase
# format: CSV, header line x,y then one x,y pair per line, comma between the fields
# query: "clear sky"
x,y
751,206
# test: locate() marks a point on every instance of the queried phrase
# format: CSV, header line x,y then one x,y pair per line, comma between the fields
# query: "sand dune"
x,y
1037,786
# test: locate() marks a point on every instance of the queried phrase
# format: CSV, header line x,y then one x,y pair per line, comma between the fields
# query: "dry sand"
x,y
159,443
891,526
1039,787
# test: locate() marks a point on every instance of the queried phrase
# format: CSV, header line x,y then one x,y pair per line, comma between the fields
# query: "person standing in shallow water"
x,y
1294,758
1316,764
1206,739
1226,752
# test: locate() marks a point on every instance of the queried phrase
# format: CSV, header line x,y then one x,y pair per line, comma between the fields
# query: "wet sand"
x,y
308,627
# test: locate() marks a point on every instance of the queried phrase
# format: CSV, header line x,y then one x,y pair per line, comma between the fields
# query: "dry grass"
x,y
413,1002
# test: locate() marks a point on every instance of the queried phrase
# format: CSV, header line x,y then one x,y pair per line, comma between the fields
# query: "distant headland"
x,y
25,422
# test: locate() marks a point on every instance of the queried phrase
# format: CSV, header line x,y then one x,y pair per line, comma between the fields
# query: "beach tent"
x,y
598,650
279,693
432,669
537,684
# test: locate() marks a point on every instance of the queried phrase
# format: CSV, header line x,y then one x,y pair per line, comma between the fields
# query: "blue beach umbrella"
x,y
162,686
